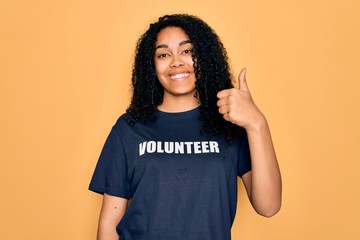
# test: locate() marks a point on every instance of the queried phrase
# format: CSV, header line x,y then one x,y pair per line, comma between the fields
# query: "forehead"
x,y
170,35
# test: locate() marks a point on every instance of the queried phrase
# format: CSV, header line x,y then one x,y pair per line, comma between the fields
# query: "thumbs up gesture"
x,y
237,105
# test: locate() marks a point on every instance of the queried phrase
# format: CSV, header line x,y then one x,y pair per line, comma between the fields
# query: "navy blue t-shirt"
x,y
182,184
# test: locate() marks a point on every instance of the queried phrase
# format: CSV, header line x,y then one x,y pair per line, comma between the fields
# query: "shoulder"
x,y
126,122
121,124
123,121
123,118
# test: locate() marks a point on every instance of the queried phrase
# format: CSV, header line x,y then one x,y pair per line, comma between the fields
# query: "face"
x,y
174,63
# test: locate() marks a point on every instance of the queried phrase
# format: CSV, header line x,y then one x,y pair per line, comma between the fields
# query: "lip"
x,y
179,75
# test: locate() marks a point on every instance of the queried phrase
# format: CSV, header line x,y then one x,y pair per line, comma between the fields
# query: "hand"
x,y
238,107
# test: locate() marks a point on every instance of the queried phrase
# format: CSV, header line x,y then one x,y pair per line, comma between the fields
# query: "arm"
x,y
112,210
263,182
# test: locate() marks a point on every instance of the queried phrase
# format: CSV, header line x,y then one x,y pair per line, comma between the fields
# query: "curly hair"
x,y
211,69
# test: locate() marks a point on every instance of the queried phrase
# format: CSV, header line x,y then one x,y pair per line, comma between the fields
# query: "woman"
x,y
185,138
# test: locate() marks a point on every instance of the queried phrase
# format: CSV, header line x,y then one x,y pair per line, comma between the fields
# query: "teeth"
x,y
180,75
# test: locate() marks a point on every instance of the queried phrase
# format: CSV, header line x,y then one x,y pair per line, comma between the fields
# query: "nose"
x,y
177,62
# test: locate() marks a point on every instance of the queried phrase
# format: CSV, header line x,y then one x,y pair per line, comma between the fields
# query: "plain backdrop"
x,y
65,69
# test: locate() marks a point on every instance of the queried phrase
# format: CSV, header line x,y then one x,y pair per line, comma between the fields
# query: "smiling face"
x,y
174,64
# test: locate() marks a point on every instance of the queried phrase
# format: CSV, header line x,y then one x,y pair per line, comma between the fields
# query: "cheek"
x,y
190,62
160,68
156,66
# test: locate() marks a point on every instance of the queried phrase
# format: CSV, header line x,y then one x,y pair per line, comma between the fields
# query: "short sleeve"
x,y
110,173
244,161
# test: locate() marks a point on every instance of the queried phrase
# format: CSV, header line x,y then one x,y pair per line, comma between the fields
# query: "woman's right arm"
x,y
112,210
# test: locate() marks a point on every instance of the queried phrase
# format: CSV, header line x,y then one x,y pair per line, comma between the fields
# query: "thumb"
x,y
242,81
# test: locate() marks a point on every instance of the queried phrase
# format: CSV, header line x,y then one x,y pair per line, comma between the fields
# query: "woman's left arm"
x,y
263,182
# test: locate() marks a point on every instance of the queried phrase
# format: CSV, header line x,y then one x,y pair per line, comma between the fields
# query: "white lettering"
x,y
169,147
205,147
142,147
197,148
188,147
151,147
179,147
214,147
159,147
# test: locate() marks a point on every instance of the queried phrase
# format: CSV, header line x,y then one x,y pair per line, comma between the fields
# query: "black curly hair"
x,y
211,69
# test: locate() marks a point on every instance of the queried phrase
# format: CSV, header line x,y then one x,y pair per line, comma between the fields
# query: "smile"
x,y
179,75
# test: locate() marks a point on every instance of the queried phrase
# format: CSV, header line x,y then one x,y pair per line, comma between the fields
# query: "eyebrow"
x,y
166,46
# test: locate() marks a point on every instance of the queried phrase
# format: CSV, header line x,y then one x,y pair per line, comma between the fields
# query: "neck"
x,y
178,104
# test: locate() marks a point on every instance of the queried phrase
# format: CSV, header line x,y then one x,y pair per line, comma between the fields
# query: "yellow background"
x,y
65,76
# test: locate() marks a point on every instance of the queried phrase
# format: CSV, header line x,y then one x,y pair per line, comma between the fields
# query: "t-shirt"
x,y
182,184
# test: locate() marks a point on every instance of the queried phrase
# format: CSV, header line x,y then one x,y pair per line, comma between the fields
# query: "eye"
x,y
162,55
188,51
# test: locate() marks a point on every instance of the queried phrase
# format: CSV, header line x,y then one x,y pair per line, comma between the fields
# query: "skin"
x,y
263,182
175,71
174,68
112,210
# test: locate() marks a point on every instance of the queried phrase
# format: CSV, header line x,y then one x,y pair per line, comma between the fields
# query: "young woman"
x,y
186,136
